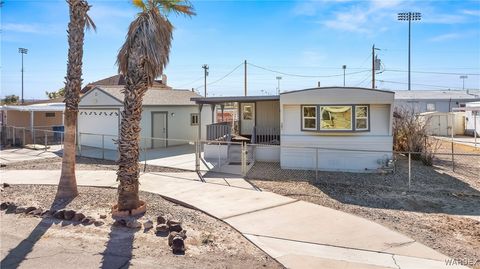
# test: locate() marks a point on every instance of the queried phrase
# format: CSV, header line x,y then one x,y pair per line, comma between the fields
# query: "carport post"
x,y
451,133
199,138
409,170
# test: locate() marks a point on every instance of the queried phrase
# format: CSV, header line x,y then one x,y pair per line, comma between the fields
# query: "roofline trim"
x,y
100,89
337,87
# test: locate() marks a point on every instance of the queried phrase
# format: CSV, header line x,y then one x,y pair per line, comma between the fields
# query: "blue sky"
x,y
310,38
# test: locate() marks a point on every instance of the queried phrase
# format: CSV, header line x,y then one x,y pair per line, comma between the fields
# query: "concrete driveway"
x,y
22,154
298,234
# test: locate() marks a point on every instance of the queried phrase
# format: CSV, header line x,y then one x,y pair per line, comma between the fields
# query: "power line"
x,y
305,76
220,79
191,82
433,72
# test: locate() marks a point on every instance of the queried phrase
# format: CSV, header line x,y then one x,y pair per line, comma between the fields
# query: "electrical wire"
x,y
191,82
220,79
433,72
305,76
418,84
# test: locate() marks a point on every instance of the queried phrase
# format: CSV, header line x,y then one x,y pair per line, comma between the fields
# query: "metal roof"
x,y
46,107
154,96
437,95
226,99
336,87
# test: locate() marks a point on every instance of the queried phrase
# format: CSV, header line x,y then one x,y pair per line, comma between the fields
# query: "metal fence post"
x,y
23,143
144,156
197,156
79,145
316,163
453,158
219,166
103,147
13,129
34,140
244,160
45,135
409,170
61,140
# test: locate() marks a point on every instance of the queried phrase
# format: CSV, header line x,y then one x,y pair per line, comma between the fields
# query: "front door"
x,y
247,118
159,129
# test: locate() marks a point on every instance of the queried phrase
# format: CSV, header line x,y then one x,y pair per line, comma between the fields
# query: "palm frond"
x,y
89,24
179,7
139,4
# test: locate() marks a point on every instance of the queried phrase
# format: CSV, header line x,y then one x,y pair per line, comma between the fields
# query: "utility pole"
x,y
463,78
205,74
245,78
344,67
22,51
374,65
278,87
409,16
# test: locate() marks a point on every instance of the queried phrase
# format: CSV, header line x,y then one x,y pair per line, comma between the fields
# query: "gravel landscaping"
x,y
441,210
210,243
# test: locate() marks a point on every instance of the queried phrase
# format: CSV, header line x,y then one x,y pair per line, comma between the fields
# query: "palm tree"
x,y
79,20
141,59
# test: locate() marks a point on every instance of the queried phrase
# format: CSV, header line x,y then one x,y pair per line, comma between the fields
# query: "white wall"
x,y
268,114
98,97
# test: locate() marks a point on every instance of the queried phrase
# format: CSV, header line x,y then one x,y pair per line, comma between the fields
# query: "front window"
x,y
247,112
194,119
361,118
309,120
336,118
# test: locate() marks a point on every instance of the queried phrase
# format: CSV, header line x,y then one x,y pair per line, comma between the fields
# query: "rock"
x,y
60,214
36,212
133,224
11,207
161,220
20,210
29,209
88,221
69,214
161,228
4,205
178,245
172,221
48,213
103,216
148,225
404,193
175,228
6,185
120,223
78,217
172,235
98,223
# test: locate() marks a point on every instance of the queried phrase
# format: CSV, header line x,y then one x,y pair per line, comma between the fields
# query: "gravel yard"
x,y
441,210
210,243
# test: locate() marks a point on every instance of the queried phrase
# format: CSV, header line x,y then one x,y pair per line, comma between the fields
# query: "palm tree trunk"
x,y
67,186
128,144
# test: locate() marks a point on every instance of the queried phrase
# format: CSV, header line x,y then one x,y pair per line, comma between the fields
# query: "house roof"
x,y
155,95
435,94
335,87
226,99
115,81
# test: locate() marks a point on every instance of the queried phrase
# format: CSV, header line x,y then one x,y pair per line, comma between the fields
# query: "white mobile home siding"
x,y
379,138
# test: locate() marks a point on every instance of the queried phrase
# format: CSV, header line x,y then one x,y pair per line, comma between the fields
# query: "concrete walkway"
x,y
298,234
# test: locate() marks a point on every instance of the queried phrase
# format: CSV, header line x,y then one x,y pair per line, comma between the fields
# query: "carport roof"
x,y
48,107
155,96
227,99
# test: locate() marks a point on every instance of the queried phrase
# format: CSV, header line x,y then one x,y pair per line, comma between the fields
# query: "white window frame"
x,y
366,117
314,117
434,107
194,116
336,130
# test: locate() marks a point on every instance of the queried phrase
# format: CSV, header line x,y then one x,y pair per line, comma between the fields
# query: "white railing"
x,y
219,131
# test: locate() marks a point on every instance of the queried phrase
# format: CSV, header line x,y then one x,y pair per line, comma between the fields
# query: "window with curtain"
x,y
309,117
336,118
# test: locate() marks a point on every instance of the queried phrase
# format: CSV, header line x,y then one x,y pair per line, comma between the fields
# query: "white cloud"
x,y
472,12
23,28
445,37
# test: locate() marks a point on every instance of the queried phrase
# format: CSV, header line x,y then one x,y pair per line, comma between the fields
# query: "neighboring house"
x,y
472,119
119,80
440,123
434,100
167,114
355,122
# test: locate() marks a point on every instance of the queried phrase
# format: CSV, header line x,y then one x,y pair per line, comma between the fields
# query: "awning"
x,y
46,107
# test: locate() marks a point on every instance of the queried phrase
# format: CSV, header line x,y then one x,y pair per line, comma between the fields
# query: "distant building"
x,y
434,100
119,80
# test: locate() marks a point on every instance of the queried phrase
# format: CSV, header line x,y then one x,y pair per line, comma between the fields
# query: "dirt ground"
x,y
441,210
210,242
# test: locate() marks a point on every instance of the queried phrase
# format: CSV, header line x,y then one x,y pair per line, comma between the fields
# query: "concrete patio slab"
x,y
21,154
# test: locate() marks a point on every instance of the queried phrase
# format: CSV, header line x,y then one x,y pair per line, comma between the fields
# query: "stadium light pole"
x,y
278,85
22,51
463,78
409,16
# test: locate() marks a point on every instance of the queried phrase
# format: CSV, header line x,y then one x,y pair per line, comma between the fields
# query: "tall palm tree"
x,y
79,20
141,59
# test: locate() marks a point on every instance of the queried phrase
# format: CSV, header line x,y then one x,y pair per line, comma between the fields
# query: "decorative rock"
x,y
11,207
4,205
162,228
78,217
36,212
59,214
29,209
120,223
133,224
6,185
103,216
19,210
161,220
98,223
148,225
175,227
172,221
178,245
69,214
172,235
88,221
48,213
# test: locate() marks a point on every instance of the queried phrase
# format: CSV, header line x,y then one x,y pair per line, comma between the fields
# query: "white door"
x,y
93,123
247,118
159,129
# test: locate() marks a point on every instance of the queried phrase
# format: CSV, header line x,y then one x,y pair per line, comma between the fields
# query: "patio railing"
x,y
264,135
219,131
